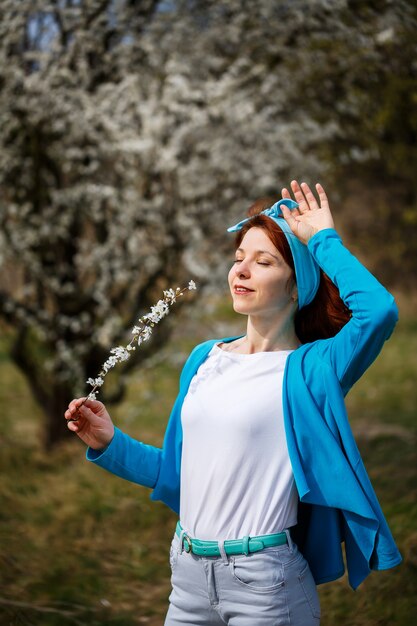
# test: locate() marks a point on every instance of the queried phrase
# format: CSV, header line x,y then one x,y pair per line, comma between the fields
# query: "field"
x,y
79,546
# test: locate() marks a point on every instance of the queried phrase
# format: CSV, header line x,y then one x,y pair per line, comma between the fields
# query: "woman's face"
x,y
260,281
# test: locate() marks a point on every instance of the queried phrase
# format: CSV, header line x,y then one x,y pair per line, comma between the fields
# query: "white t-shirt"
x,y
236,476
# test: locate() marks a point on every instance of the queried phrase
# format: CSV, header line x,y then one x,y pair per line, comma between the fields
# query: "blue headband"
x,y
307,272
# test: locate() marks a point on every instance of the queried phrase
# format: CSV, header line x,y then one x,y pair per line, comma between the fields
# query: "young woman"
x,y
258,457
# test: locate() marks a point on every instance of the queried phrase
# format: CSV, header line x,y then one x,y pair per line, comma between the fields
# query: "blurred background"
x,y
132,133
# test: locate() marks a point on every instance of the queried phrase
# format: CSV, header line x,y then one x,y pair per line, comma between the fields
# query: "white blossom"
x,y
109,364
121,353
140,334
146,333
95,382
169,294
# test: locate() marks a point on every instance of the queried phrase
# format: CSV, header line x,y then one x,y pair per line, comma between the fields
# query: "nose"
x,y
242,270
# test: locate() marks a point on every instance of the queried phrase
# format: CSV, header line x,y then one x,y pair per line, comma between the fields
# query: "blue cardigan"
x,y
337,501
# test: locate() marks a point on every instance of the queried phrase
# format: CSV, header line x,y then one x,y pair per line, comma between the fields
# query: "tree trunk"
x,y
52,396
55,424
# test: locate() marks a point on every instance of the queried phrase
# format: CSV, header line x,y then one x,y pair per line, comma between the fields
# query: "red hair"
x,y
327,313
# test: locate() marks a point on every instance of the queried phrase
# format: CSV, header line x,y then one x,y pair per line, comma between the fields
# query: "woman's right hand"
x,y
310,217
90,420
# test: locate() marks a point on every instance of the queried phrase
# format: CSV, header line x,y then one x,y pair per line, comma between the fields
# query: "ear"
x,y
294,293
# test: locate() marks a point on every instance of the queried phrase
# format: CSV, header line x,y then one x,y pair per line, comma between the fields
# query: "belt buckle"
x,y
188,547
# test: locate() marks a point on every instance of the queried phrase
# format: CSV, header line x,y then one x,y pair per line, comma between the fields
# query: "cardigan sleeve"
x,y
145,464
374,312
128,458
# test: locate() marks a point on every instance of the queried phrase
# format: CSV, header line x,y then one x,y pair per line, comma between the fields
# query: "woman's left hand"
x,y
310,217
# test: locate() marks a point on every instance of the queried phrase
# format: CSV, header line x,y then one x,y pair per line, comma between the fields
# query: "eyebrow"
x,y
260,252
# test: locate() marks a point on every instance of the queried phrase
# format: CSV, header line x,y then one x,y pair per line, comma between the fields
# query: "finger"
x,y
324,202
73,426
74,404
311,199
80,401
88,415
74,417
94,405
69,414
72,414
77,410
289,217
286,194
299,196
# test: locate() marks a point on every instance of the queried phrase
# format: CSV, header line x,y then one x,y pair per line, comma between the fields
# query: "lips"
x,y
240,290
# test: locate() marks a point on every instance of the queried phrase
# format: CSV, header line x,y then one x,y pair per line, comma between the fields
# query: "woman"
x,y
258,457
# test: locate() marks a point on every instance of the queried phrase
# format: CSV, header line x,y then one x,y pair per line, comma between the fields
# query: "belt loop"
x,y
245,545
223,553
289,540
182,533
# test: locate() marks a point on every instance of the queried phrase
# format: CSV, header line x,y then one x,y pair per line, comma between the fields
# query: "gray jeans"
x,y
273,587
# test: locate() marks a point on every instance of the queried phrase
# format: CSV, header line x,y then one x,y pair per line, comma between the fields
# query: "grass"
x,y
79,546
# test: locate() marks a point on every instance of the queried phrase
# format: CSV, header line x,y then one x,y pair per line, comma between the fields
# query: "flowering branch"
x,y
142,332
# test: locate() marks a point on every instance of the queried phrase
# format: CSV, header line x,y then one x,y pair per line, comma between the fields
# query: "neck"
x,y
266,336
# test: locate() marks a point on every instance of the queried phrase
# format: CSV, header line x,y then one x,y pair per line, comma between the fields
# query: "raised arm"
x,y
374,312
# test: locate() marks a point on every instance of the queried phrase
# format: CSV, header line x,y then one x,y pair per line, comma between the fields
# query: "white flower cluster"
x,y
97,382
157,312
140,333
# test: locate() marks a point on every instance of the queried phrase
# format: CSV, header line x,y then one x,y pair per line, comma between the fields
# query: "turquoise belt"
x,y
231,546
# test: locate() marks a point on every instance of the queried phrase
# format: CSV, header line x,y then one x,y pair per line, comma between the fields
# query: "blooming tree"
x,y
132,133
